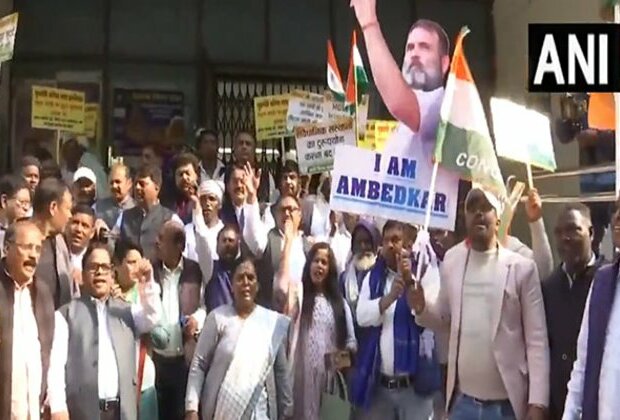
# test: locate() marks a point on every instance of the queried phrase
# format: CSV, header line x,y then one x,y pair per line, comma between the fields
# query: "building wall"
x,y
187,45
510,19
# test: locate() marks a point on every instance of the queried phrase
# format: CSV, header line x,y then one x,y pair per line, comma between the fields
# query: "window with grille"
x,y
235,112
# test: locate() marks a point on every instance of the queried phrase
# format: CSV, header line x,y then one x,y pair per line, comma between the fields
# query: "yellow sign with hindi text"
x,y
58,109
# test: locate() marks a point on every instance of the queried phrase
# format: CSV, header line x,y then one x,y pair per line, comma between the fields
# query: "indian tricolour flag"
x,y
334,81
357,80
463,140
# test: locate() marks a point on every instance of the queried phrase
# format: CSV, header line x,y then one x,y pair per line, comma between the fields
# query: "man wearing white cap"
x,y
75,154
210,193
84,187
491,301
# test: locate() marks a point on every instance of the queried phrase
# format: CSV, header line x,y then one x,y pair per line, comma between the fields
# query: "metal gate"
x,y
235,112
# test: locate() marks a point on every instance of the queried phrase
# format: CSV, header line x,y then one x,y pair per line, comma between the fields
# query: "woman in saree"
x,y
326,330
240,369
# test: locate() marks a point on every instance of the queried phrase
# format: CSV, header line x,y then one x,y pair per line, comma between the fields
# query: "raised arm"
x,y
203,250
540,242
147,313
254,231
398,97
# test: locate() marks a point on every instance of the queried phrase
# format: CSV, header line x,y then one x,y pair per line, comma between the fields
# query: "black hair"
x,y
432,26
227,227
48,191
290,166
183,159
123,247
392,224
578,207
49,169
10,184
150,171
30,160
203,132
331,290
11,231
93,246
84,209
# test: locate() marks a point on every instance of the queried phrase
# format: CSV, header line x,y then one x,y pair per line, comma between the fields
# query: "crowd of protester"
x,y
237,296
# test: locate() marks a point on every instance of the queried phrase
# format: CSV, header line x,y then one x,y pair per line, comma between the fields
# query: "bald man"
x,y
109,209
182,317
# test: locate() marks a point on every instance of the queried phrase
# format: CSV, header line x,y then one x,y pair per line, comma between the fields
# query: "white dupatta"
x,y
252,361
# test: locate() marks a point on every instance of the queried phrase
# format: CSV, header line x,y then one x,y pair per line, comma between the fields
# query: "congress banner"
x,y
57,109
316,144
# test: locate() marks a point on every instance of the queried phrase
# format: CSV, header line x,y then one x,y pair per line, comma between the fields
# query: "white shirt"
x,y
340,243
369,315
191,252
145,317
320,226
205,176
26,360
609,382
76,259
256,232
171,310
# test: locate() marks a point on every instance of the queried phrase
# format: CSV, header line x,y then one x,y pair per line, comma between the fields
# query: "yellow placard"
x,y
367,141
383,130
91,117
270,117
58,109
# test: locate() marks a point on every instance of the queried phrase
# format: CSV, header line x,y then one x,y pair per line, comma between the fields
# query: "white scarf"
x,y
249,368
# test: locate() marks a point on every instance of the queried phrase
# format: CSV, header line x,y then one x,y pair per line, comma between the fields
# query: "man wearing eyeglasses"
x,y
26,325
15,203
93,362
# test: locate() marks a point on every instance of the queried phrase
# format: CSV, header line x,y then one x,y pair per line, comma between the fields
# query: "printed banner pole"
x,y
58,147
530,178
617,109
427,220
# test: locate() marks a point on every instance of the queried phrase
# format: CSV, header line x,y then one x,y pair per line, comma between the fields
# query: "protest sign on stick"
x,y
316,144
523,135
8,28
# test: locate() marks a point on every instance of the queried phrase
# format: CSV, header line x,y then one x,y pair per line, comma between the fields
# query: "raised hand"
x,y
415,297
289,230
365,10
252,180
404,266
533,205
145,271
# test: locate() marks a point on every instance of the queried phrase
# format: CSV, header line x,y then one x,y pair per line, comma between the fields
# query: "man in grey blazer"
x,y
93,361
110,208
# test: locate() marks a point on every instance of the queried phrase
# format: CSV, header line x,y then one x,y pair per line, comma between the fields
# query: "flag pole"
x,y
617,113
427,219
355,84
530,178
